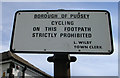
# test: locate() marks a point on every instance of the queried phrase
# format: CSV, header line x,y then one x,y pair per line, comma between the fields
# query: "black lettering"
x,y
52,23
76,35
33,35
36,28
77,29
45,16
63,15
79,46
50,28
62,22
95,47
80,16
44,35
35,16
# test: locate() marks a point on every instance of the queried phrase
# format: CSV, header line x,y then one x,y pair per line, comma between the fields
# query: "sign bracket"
x,y
61,64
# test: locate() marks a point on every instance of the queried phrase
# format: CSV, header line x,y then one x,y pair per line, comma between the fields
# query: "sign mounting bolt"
x,y
19,13
106,13
44,49
108,50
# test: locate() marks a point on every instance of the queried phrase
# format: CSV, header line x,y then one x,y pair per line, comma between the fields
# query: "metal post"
x,y
61,65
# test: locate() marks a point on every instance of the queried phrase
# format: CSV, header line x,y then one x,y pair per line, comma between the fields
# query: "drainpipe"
x,y
23,74
10,70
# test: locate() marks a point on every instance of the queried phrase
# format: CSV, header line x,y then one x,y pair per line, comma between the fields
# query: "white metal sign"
x,y
62,31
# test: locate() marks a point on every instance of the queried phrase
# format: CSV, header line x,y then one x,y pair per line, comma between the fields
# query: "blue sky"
x,y
86,65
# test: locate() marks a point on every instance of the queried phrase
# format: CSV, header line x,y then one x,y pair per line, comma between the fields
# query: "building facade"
x,y
13,66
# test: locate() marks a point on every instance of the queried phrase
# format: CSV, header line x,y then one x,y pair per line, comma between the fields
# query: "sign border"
x,y
48,52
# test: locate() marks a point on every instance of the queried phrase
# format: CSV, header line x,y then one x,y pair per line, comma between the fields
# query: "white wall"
x,y
28,71
18,72
0,70
5,66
